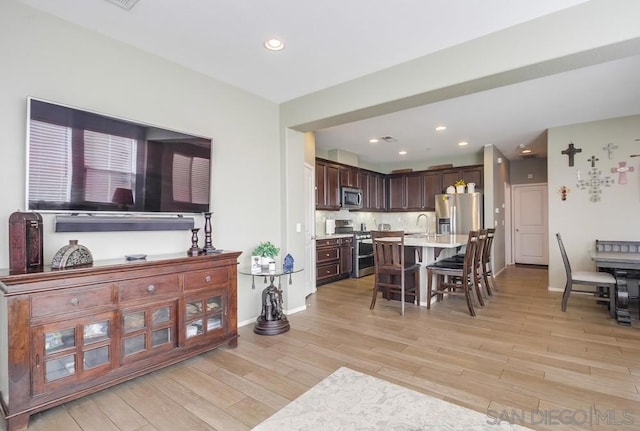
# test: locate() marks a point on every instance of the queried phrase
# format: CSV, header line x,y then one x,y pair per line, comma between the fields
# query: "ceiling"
x,y
224,40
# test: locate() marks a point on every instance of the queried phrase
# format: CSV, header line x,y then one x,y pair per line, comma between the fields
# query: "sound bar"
x,y
113,224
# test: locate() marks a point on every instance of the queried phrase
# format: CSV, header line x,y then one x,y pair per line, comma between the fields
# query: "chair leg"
x,y
487,284
467,294
477,287
565,295
416,280
375,295
429,281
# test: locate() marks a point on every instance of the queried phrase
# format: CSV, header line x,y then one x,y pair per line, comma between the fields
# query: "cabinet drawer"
x,y
333,242
148,287
207,278
326,271
327,254
76,300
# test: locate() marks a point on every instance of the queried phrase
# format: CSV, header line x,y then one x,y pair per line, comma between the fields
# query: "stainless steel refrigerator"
x,y
459,213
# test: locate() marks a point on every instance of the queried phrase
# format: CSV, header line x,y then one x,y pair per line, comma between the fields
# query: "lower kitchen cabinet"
x,y
73,332
334,259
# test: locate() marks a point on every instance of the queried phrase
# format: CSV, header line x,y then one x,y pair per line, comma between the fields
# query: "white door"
x,y
309,230
530,224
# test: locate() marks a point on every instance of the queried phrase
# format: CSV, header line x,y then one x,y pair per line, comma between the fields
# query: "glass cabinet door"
x,y
147,329
204,315
67,352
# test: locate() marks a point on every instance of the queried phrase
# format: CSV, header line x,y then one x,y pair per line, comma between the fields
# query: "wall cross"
x,y
571,151
593,161
609,149
622,169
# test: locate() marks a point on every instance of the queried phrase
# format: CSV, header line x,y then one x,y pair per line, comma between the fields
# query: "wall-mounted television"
x,y
80,161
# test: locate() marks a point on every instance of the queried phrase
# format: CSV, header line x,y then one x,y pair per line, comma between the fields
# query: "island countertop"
x,y
432,241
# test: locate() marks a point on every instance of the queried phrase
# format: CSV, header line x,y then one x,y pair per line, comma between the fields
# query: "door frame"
x,y
310,228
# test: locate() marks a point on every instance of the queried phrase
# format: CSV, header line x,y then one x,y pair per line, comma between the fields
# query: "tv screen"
x,y
84,162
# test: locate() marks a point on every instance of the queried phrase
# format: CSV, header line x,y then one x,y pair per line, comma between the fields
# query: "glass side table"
x,y
271,320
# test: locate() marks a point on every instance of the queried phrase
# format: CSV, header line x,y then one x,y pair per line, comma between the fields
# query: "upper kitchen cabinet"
x,y
431,186
373,189
327,186
405,192
470,174
349,176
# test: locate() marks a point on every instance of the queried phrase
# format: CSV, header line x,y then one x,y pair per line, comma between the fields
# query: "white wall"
x,y
580,221
47,58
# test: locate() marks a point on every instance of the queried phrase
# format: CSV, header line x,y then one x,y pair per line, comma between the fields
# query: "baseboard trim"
x,y
122,223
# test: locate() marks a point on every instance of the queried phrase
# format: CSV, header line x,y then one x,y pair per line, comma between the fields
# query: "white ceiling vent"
x,y
388,139
124,4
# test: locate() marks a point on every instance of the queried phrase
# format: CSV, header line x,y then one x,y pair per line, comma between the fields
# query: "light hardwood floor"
x,y
520,354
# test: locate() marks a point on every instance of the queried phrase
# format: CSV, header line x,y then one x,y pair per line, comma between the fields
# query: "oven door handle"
x,y
361,256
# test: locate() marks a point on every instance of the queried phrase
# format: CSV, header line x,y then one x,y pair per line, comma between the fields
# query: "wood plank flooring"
x,y
520,354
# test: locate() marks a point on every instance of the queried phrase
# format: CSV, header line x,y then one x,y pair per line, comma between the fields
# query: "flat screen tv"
x,y
85,162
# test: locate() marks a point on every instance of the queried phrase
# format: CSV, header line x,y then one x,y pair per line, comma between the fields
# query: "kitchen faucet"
x,y
426,218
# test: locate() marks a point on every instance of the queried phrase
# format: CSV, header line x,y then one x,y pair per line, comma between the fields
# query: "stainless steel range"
x,y
362,252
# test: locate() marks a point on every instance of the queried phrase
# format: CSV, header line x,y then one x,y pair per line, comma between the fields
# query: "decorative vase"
x,y
70,255
451,190
459,189
471,187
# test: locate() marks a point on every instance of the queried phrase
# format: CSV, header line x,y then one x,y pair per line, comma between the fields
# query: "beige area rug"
x,y
349,400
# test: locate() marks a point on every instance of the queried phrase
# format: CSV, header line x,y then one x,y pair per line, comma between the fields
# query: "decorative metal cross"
x,y
609,149
593,161
622,169
571,151
594,184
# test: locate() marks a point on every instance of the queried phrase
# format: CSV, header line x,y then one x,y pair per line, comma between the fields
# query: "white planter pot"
x,y
459,189
471,188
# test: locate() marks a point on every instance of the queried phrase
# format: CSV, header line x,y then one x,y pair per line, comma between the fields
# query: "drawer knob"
x,y
151,288
207,279
75,301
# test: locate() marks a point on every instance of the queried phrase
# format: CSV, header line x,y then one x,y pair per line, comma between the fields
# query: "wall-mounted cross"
x,y
571,151
622,169
609,149
593,161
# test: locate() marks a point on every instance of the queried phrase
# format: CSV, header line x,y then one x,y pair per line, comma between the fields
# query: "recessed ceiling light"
x,y
526,151
441,128
274,44
462,143
373,140
402,153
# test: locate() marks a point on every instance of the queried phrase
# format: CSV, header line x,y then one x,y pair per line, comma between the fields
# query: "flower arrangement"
x,y
460,183
266,249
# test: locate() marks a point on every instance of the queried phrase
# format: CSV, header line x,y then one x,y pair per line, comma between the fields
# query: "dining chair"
x,y
453,278
588,278
390,269
487,263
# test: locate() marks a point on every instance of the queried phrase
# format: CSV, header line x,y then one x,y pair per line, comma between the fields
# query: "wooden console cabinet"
x,y
68,333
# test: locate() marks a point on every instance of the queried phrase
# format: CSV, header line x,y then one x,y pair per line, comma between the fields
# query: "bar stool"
x,y
459,277
390,269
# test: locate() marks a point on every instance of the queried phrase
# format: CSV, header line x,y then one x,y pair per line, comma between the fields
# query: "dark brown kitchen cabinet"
x,y
349,177
405,192
346,256
73,332
364,184
431,186
334,259
470,174
327,186
377,192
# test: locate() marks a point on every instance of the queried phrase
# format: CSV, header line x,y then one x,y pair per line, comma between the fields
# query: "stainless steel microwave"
x,y
351,198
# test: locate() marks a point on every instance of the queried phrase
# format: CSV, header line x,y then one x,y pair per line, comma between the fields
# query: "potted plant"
x,y
460,186
267,251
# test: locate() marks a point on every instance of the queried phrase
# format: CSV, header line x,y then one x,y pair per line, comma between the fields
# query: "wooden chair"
x,y
587,278
390,269
454,278
487,271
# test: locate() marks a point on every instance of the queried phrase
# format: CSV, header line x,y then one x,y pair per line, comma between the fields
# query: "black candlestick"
x,y
194,250
208,245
